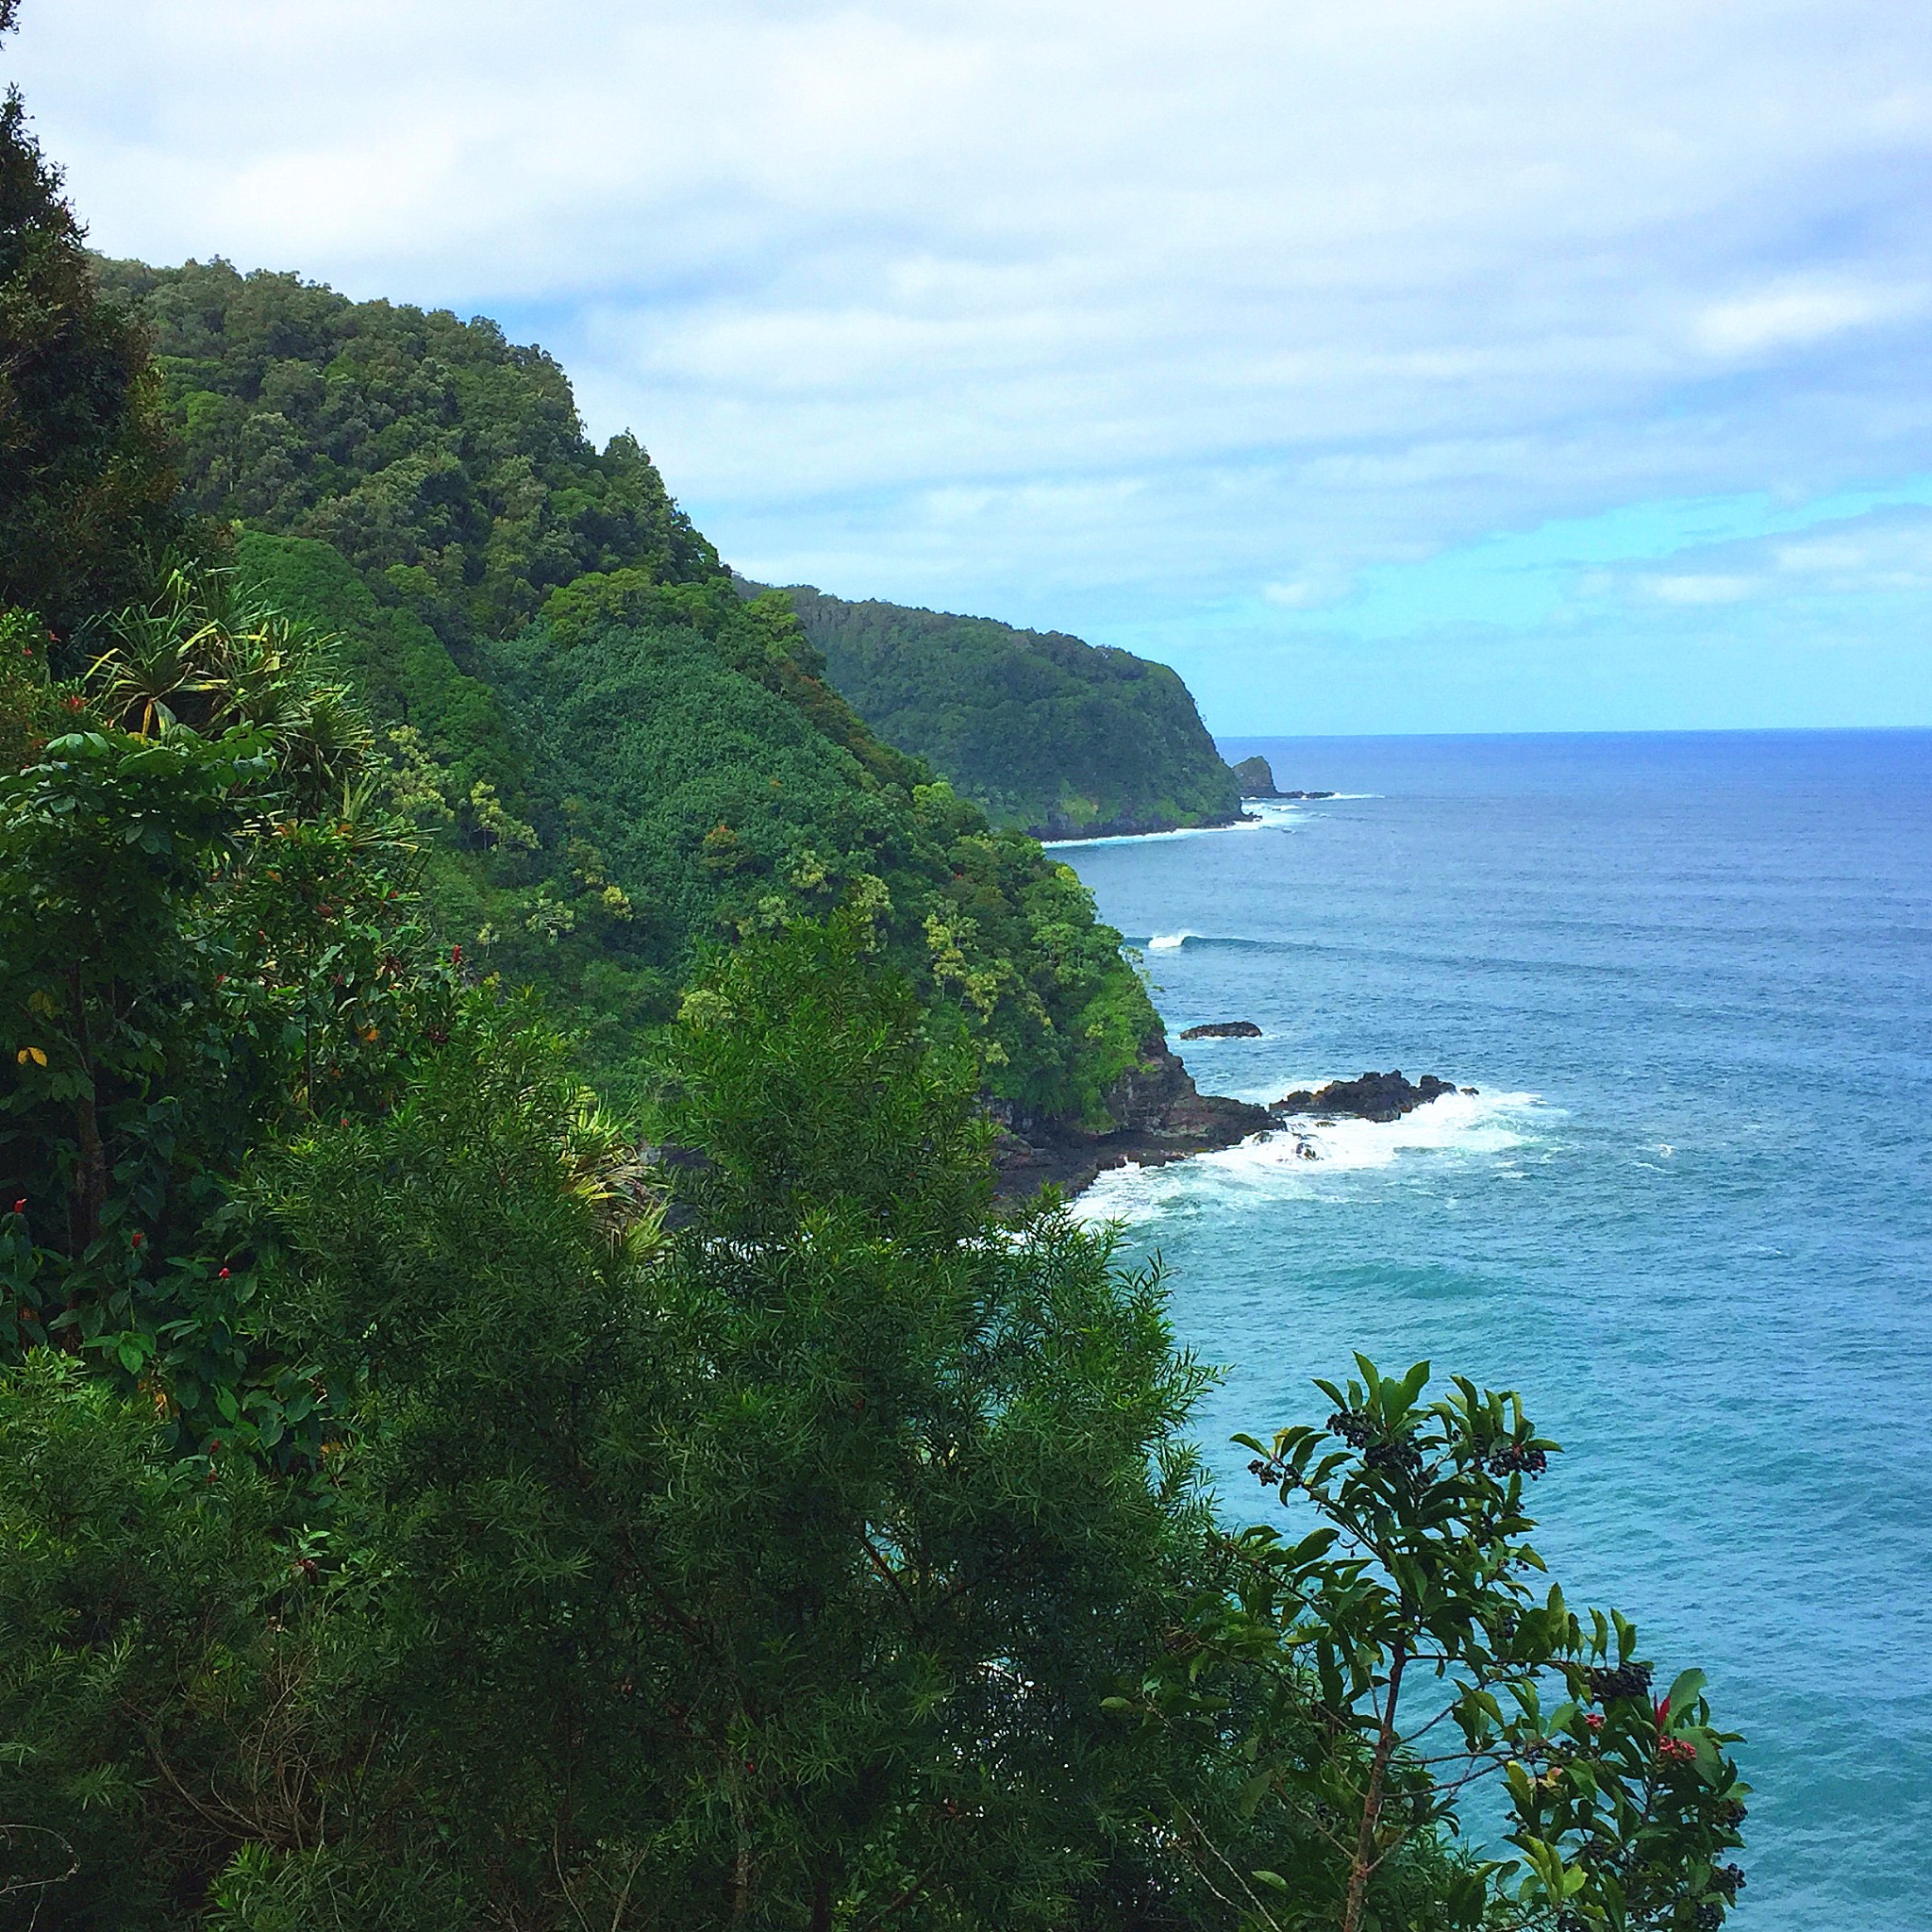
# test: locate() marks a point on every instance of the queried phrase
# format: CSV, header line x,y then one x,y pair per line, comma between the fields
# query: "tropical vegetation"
x,y
615,762
1042,731
438,1494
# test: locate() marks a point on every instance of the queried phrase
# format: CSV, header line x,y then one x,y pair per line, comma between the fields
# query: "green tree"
x,y
1398,1651
87,495
204,936
779,1565
150,1608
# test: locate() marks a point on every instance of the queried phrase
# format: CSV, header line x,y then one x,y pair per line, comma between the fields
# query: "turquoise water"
x,y
1689,1214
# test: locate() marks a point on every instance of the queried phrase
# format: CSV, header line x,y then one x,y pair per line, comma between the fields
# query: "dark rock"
x,y
1370,1097
1159,1115
1224,1029
1256,777
1471,1090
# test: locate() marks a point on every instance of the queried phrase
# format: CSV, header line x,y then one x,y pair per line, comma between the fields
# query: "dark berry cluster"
x,y
1708,1917
1728,1879
1268,1474
1403,1458
1731,1813
1626,1681
1514,1460
1353,1426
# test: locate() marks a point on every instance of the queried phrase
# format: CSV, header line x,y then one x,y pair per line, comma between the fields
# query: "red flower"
x,y
223,1276
19,1205
137,1237
1593,1721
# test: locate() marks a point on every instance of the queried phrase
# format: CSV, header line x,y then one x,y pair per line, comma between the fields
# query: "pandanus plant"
x,y
203,657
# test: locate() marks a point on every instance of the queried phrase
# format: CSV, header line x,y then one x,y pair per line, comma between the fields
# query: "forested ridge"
x,y
454,1474
616,762
1044,731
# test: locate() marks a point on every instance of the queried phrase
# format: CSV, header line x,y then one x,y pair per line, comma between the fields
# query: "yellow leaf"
x,y
33,1054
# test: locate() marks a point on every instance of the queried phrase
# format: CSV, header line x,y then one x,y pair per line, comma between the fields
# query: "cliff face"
x,y
1044,732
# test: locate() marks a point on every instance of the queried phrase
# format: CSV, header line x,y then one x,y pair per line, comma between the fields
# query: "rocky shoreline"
x,y
1161,1116
1067,834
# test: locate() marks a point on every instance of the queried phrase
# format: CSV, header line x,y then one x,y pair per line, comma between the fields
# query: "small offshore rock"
x,y
1256,779
1382,1097
1472,1092
1224,1029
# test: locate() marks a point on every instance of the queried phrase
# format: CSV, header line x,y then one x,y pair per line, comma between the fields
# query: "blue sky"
x,y
1389,365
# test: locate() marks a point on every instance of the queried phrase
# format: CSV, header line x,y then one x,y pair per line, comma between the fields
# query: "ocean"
x,y
1689,1213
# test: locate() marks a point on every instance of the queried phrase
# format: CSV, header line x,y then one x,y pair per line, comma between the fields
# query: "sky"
x,y
1383,365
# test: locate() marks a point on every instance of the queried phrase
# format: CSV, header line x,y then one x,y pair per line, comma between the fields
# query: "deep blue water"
x,y
1689,1216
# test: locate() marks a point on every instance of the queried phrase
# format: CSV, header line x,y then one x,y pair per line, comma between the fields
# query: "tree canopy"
x,y
1045,733
438,1492
616,762
87,495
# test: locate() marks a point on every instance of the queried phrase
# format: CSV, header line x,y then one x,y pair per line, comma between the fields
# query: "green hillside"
x,y
1045,732
432,1500
618,763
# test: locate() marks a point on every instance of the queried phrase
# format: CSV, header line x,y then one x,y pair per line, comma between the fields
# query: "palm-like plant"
x,y
203,658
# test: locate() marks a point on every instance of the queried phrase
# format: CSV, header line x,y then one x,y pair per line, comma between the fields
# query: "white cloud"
x,y
1701,589
1084,310
1793,317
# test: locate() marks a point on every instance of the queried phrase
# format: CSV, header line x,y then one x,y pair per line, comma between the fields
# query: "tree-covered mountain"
x,y
443,462
430,1501
618,762
1061,738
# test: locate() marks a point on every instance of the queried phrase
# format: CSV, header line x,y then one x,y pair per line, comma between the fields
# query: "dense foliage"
x,y
423,1506
833,1560
87,498
444,462
1044,732
430,1502
616,762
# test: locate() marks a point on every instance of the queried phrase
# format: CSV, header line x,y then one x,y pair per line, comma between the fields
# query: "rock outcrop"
x,y
1224,1029
1256,778
1158,1114
1369,1096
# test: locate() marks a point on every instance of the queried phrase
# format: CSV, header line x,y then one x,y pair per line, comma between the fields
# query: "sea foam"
x,y
1304,1155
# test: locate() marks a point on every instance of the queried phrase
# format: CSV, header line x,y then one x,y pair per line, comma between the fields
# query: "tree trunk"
x,y
741,1874
1364,1862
